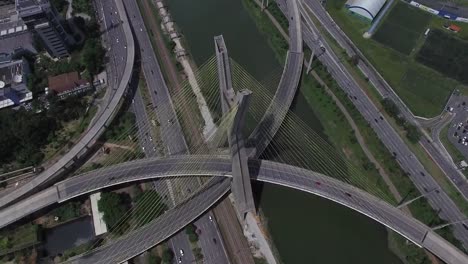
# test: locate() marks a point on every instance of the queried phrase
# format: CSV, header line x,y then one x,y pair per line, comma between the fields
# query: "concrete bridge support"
x,y
240,185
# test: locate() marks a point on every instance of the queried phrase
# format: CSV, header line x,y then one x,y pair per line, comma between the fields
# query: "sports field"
x,y
446,54
423,89
402,28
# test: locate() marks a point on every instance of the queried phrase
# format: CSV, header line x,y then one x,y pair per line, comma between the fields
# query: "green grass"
x,y
341,134
122,125
402,28
19,238
407,77
425,88
445,53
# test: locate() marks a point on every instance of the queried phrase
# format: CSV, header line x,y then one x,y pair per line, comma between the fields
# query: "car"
x,y
422,173
347,194
181,252
376,120
150,138
318,183
143,148
117,40
381,117
211,218
141,29
179,260
133,101
214,240
154,149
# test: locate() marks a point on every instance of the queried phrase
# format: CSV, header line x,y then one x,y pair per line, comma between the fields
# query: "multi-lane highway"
x,y
268,171
93,133
171,133
385,90
425,183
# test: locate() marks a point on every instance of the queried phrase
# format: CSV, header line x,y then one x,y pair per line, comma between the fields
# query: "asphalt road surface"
x,y
171,132
425,183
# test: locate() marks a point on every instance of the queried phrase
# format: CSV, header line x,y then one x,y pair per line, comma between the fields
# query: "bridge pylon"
x,y
240,186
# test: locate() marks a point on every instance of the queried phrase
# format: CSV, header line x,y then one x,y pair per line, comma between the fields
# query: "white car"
x,y
150,138
181,252
143,148
211,218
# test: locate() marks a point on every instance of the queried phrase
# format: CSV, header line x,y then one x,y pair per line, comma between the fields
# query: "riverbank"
x,y
337,130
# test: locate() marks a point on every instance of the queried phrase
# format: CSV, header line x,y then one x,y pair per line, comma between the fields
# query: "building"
x,y
66,84
41,17
13,86
367,9
454,28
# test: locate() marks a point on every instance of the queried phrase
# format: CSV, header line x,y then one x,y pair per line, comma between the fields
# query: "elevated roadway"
x,y
93,133
282,100
261,170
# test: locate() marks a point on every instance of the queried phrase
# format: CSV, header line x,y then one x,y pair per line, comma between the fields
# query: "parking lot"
x,y
458,129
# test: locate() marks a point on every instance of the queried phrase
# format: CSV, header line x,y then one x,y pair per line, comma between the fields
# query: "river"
x,y
68,235
304,228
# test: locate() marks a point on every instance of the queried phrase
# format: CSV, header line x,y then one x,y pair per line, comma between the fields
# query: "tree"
x,y
154,259
60,5
23,134
168,255
148,206
354,59
193,238
391,107
413,134
190,229
198,253
114,206
92,56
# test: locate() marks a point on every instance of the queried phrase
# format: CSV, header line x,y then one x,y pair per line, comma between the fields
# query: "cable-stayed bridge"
x,y
300,145
279,136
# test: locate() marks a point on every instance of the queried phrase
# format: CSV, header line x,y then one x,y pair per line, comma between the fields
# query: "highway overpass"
x,y
282,100
261,170
93,133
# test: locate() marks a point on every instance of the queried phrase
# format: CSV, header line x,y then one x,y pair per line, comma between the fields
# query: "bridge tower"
x,y
240,185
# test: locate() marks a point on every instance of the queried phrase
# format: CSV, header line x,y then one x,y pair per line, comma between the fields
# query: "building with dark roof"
x,y
13,87
41,17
